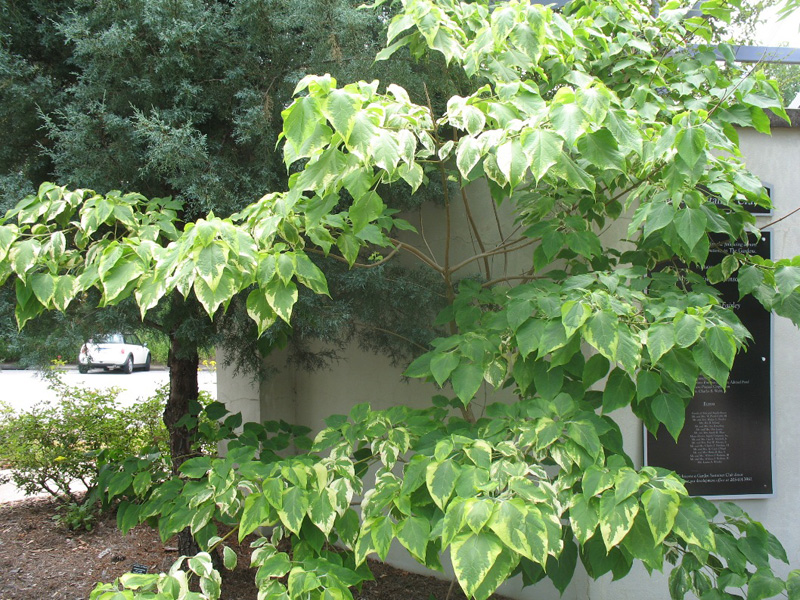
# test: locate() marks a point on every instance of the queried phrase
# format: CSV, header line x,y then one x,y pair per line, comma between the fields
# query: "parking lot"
x,y
22,389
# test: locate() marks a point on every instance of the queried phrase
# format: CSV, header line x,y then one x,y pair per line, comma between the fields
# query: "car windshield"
x,y
108,338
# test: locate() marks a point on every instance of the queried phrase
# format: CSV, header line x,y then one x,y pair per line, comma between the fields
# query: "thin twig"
x,y
422,233
395,334
776,221
508,247
474,228
523,278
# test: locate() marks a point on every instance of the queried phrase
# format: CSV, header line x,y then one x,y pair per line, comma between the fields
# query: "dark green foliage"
x,y
184,99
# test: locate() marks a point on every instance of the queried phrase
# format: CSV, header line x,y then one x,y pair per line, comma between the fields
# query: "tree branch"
x,y
501,249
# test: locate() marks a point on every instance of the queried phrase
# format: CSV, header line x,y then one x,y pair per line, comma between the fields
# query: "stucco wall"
x,y
361,377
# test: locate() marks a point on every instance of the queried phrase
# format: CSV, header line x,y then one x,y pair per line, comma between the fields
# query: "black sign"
x,y
138,569
725,448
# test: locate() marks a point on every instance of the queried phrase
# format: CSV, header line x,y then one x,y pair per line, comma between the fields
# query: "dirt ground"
x,y
40,559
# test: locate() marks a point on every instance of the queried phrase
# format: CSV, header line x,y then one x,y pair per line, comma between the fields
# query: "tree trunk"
x,y
183,390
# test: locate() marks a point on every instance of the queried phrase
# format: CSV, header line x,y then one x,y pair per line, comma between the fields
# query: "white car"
x,y
114,351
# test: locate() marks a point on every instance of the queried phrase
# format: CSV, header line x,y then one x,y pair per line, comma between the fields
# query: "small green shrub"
x,y
54,444
77,516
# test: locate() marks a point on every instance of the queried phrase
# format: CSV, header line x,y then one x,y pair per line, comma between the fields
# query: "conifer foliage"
x,y
574,118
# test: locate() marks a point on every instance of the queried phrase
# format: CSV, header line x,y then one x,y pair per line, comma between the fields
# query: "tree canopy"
x,y
576,119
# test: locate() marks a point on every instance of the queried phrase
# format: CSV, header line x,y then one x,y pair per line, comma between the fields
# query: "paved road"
x,y
22,389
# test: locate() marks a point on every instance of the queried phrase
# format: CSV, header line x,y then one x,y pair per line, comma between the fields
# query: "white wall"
x,y
308,398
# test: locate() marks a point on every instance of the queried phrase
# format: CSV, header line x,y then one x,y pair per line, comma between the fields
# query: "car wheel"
x,y
127,368
147,364
83,369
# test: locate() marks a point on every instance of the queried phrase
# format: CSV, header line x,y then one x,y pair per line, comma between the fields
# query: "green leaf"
x,y
349,246
670,411
560,570
688,329
583,517
340,108
764,585
382,533
211,299
659,216
679,583
64,293
548,381
284,266
692,525
116,280
508,523
277,565
616,519
365,209
647,384
618,391
300,122
660,340
690,223
44,286
294,507
141,483
413,533
787,280
595,480
23,256
254,515
443,364
552,337
281,297
322,512
201,517
543,149
627,135
600,148
512,162
468,154
127,516
466,380
229,558
793,585
473,556
660,508
135,581
477,513
594,370
690,144
211,263
385,151
640,543
259,309
709,364
573,315
8,235
529,336
500,571
441,481
602,332
568,120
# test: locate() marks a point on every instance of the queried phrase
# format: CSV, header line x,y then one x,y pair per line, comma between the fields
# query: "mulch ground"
x,y
41,559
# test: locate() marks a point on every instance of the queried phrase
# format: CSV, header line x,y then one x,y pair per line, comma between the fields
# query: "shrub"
x,y
56,443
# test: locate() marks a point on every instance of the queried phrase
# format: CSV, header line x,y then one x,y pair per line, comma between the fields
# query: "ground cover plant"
x,y
574,119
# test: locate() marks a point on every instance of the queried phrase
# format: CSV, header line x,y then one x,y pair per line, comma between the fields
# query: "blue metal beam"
x,y
768,54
